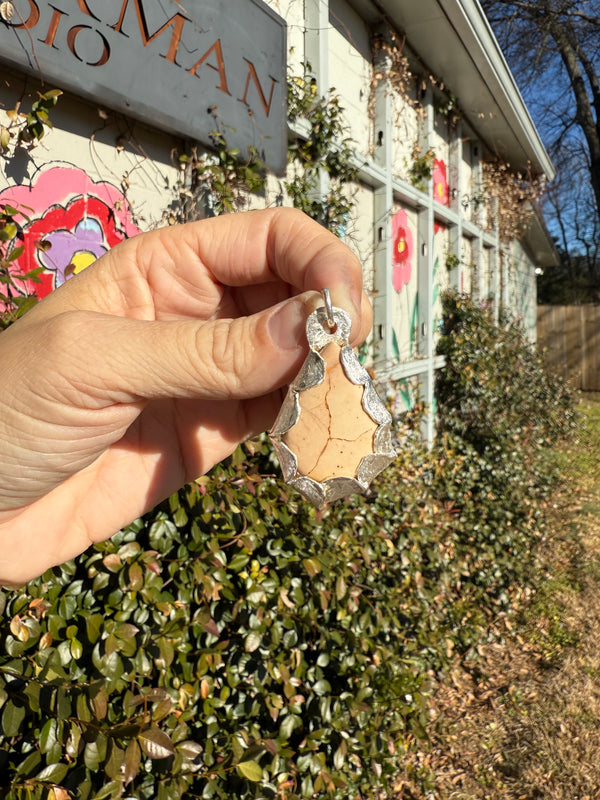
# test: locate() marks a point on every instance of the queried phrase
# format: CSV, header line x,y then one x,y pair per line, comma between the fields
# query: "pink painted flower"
x,y
440,182
70,222
402,250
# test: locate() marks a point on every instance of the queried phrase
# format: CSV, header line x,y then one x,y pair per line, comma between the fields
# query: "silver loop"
x,y
328,308
320,334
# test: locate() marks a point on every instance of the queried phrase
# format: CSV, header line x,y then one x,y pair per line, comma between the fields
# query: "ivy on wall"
x,y
325,147
28,127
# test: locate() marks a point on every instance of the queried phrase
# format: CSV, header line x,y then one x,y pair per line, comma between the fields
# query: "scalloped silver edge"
x,y
311,374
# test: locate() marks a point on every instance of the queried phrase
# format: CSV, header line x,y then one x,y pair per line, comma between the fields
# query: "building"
x,y
439,146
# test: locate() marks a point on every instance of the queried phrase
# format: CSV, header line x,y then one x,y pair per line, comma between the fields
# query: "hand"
x,y
143,371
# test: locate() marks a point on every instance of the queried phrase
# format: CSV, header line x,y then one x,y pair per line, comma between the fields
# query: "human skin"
x,y
150,366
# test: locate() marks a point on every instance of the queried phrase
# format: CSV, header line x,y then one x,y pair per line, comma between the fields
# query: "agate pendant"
x,y
333,433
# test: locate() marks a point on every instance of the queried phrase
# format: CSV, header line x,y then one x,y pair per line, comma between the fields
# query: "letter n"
x,y
266,104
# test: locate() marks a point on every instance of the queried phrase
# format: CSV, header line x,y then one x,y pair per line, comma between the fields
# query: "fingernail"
x,y
348,299
287,323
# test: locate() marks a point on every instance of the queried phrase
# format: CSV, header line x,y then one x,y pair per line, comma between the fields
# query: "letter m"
x,y
177,22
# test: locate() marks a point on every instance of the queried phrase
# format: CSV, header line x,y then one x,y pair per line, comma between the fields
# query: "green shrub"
x,y
235,642
494,389
499,410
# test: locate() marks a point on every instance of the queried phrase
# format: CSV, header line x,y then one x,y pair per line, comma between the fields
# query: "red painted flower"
x,y
71,221
440,189
402,244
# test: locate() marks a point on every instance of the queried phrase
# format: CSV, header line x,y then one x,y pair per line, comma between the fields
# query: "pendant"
x,y
333,433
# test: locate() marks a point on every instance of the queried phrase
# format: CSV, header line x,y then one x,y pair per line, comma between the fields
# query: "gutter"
x,y
472,66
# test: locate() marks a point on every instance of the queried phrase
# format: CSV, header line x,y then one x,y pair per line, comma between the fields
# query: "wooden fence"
x,y
569,337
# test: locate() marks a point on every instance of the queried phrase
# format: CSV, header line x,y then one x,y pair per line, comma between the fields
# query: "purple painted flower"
x,y
68,252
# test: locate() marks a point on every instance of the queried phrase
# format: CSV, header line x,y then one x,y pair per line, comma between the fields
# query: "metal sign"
x,y
190,67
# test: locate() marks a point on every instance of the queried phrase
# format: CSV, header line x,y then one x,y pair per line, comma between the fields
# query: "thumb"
x,y
130,360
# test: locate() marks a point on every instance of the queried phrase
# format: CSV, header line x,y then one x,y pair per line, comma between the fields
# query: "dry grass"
x,y
523,722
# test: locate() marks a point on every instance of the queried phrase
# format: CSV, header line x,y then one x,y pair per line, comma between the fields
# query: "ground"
x,y
523,722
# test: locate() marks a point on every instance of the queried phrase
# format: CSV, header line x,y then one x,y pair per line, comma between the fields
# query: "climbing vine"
x,y
220,181
420,170
510,198
13,301
216,182
326,148
23,128
28,127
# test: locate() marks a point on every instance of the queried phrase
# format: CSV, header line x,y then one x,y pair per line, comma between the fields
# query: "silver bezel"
x,y
319,334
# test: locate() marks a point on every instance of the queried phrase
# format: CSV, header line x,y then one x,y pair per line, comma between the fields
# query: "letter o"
x,y
72,36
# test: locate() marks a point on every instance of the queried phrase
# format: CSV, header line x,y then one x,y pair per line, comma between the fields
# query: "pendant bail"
x,y
328,308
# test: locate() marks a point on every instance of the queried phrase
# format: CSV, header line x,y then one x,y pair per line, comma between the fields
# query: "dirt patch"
x,y
522,720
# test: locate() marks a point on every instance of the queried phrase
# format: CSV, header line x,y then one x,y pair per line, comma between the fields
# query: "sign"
x,y
190,67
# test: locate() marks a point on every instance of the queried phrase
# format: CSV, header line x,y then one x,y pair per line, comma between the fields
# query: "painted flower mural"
x,y
68,222
440,188
402,250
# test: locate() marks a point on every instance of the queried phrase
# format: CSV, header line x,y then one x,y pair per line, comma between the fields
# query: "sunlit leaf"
x,y
156,743
250,770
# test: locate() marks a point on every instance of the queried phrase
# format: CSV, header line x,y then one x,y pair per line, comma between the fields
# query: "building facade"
x,y
429,174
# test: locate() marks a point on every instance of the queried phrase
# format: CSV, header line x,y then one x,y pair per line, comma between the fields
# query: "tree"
x,y
553,48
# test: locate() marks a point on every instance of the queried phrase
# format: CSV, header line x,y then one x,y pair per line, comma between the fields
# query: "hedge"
x,y
237,643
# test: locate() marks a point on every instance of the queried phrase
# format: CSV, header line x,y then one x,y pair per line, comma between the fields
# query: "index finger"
x,y
181,271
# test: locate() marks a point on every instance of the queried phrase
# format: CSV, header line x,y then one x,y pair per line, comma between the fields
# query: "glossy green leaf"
x,y
13,717
53,773
133,757
250,770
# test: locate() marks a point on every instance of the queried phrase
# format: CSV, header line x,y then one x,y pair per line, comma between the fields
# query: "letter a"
x,y
220,68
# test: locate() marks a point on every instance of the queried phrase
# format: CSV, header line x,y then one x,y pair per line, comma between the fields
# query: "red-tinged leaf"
x,y
210,626
39,605
156,744
136,577
100,703
271,746
133,757
112,562
156,695
126,630
58,793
